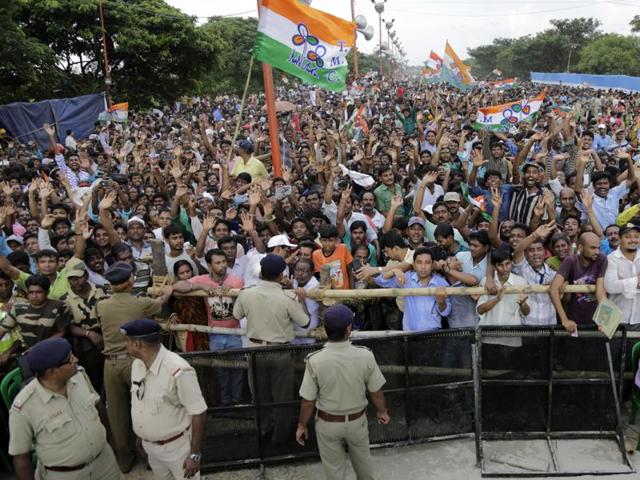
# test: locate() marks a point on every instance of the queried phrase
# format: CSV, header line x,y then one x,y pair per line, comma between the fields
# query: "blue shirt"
x,y
601,143
420,313
507,192
606,209
478,270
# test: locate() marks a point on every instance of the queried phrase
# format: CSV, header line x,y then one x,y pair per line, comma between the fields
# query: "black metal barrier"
x,y
489,384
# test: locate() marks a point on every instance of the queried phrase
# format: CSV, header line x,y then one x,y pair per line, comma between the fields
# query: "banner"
x,y
500,118
305,42
454,71
119,112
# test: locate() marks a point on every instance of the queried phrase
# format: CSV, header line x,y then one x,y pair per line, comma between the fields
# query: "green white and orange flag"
x,y
119,112
305,42
500,118
454,71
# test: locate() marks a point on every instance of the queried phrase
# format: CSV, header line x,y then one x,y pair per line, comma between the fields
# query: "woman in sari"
x,y
189,311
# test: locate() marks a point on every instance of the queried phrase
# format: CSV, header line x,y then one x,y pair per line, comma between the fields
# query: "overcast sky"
x,y
423,25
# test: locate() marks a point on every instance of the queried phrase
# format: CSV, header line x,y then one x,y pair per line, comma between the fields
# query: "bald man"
x,y
587,267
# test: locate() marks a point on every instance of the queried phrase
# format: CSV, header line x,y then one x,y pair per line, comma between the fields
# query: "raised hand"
x,y
107,202
47,221
209,222
396,202
430,178
247,223
477,159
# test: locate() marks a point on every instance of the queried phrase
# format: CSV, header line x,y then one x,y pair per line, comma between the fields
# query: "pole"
x,y
274,136
355,48
380,50
107,73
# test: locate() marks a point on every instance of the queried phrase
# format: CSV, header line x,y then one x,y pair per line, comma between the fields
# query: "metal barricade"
x,y
440,385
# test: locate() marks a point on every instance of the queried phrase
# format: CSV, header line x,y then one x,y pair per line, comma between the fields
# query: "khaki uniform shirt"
x,y
270,311
114,312
338,376
65,431
164,397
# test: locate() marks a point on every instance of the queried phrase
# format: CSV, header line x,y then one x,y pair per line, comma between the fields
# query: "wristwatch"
x,y
195,457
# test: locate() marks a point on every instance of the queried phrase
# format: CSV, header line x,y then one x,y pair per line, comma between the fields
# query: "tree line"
x,y
569,45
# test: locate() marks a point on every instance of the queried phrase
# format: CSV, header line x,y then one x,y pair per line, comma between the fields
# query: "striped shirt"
x,y
523,203
39,323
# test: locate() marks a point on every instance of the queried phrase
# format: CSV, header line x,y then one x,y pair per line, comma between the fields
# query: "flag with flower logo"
x,y
305,42
454,72
500,118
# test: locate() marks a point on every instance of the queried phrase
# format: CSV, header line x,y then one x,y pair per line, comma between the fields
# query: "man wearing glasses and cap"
x,y
340,401
168,411
59,415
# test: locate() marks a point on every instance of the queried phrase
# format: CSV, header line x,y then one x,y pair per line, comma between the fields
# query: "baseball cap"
x,y
602,125
77,270
628,227
280,241
451,197
416,221
136,220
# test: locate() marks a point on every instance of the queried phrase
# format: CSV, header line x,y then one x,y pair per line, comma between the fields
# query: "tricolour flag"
x,y
505,84
500,118
305,42
434,62
479,202
119,112
454,71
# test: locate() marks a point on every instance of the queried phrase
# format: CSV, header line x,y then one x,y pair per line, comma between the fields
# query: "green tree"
x,y
236,37
27,68
156,53
635,24
611,54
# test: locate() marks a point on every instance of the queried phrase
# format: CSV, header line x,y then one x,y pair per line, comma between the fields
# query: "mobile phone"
x,y
356,264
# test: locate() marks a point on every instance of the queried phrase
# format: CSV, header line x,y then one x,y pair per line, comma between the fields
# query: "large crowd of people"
x,y
389,184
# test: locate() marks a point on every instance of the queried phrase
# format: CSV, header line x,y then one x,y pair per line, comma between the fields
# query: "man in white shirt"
x,y
278,245
304,279
622,277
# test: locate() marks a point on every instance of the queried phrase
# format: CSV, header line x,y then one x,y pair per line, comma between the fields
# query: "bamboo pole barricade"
x,y
322,294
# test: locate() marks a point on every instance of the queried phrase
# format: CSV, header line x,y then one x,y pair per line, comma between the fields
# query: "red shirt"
x,y
220,309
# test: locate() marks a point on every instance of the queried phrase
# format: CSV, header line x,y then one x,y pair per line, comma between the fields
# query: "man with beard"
x,y
621,279
587,267
369,209
175,239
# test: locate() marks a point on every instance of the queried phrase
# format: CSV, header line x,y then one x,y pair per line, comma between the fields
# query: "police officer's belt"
x,y
329,417
264,342
168,440
118,356
70,469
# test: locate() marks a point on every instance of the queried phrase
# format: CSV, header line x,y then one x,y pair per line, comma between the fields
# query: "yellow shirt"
x,y
253,167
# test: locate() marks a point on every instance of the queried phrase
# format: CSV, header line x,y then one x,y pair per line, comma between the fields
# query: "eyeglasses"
x,y
140,389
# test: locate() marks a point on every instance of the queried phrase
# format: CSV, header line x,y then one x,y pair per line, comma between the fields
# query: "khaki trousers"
x,y
332,439
117,386
104,467
167,460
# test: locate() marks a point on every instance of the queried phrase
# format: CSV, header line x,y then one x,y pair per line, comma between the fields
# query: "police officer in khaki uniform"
x,y
59,414
271,313
335,382
112,314
168,411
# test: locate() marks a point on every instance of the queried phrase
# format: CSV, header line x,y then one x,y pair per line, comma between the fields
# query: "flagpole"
x,y
107,73
274,135
355,48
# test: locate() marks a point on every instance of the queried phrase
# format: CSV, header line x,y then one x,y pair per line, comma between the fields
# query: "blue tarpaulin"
x,y
24,121
620,82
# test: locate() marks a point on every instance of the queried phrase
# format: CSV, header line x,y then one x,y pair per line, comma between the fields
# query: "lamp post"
x,y
379,6
364,29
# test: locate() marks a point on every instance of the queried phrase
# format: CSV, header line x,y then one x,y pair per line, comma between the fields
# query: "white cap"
x,y
602,125
280,241
15,238
428,209
136,220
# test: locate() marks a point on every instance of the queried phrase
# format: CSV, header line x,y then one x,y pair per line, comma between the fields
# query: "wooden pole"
x,y
274,135
107,73
327,294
